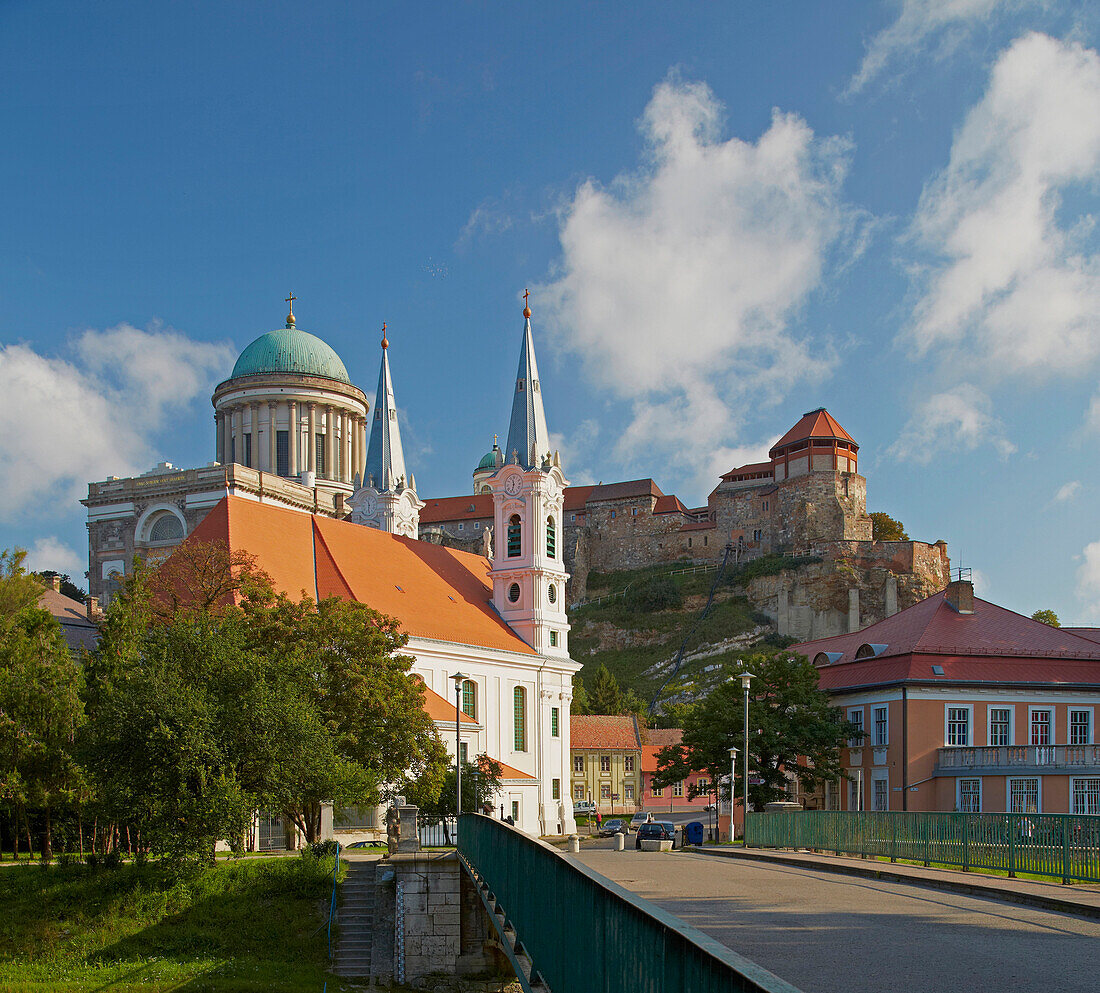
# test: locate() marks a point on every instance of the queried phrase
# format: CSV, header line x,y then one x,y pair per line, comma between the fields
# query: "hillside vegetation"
x,y
637,629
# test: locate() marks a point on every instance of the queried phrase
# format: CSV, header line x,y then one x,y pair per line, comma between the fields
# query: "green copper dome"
x,y
489,461
290,350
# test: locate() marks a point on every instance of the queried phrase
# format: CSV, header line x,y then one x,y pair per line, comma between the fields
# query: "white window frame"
x,y
989,722
1072,794
578,791
678,788
958,793
885,708
1045,709
1092,726
1009,780
880,776
969,708
605,792
605,765
628,763
852,712
578,760
628,791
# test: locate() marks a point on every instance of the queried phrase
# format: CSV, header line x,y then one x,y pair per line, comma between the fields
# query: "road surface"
x,y
827,933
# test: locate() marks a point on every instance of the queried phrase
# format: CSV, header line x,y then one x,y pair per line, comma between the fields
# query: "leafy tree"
x,y
580,703
885,528
1047,617
40,705
793,730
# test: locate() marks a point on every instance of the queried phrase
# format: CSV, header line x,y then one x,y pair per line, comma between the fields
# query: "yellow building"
x,y
606,754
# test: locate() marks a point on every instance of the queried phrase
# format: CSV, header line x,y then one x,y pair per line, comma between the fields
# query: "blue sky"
x,y
727,214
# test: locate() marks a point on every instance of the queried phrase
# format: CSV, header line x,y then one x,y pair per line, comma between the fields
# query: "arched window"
x,y
514,543
469,698
513,592
167,527
519,718
551,538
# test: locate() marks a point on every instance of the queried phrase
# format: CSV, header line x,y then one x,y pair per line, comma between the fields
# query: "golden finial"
x,y
290,304
494,441
526,306
385,344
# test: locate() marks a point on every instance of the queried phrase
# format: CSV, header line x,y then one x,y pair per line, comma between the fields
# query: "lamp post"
x,y
459,678
746,678
733,781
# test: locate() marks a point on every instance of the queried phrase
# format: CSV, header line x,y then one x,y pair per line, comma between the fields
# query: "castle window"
x,y
519,719
513,592
572,517
704,539
633,511
613,515
689,542
477,525
461,525
551,539
469,698
282,453
514,544
551,593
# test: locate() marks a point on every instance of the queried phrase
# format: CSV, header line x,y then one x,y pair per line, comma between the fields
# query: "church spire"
x,y
385,457
528,437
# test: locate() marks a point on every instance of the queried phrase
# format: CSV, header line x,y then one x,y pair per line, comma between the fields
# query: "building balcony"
x,y
995,760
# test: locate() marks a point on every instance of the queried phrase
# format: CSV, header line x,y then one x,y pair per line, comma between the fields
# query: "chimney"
x,y
960,593
93,608
55,582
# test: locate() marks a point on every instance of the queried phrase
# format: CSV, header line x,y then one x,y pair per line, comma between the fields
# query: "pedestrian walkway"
x,y
355,918
1081,898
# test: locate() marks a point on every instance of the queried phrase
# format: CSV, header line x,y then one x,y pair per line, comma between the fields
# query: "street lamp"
x,y
746,678
733,781
460,678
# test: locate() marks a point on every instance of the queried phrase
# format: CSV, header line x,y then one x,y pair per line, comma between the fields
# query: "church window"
x,y
553,639
553,722
282,453
319,443
555,789
513,592
167,527
514,543
469,698
248,448
551,538
552,593
519,719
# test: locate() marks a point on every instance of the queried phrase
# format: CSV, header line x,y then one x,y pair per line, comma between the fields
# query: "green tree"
x,y
606,697
40,704
657,593
793,731
885,528
580,704
1047,617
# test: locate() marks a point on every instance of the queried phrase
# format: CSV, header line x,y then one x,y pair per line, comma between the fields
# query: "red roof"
x,y
595,731
669,504
991,644
698,526
814,424
458,508
1092,634
72,615
440,709
625,490
577,496
752,467
435,592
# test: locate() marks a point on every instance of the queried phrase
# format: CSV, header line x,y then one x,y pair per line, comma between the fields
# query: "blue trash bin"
x,y
693,832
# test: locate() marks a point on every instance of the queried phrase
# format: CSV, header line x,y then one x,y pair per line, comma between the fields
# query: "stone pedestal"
x,y
410,837
620,842
575,843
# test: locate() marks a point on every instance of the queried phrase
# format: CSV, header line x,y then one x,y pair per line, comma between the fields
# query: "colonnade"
x,y
336,438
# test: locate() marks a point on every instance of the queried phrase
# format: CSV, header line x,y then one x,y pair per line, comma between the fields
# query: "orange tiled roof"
x,y
814,424
459,508
596,731
439,708
669,504
435,592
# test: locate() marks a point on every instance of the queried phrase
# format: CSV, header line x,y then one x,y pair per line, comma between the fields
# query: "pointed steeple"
x,y
527,433
385,457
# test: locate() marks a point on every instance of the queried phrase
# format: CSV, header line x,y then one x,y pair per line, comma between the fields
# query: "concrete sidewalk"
x,y
1082,898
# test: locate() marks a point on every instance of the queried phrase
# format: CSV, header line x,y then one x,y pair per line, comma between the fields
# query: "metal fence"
x,y
435,833
586,934
1063,846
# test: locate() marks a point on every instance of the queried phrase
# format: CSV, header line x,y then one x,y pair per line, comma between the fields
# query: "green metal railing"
x,y
586,934
1063,846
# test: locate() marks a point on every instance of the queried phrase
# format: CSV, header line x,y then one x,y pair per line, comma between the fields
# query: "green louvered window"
x,y
514,544
551,538
469,699
519,718
553,722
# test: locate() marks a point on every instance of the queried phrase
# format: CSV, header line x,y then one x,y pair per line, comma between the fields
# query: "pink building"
x,y
672,798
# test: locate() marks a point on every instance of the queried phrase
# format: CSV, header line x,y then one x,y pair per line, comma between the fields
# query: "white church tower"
x,y
386,498
528,496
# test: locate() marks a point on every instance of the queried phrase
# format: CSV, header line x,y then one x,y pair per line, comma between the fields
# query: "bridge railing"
x,y
1063,846
586,934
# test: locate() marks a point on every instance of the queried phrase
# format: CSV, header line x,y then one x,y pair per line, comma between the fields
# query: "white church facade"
x,y
329,513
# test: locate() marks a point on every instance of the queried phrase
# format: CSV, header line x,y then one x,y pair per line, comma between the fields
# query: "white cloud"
x,y
957,419
1067,491
52,553
679,282
981,583
919,23
1013,285
1088,581
74,420
1092,418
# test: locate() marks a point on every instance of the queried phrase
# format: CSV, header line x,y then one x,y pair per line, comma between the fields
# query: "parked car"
x,y
584,807
638,820
615,825
656,831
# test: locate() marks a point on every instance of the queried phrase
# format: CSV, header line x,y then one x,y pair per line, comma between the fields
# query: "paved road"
x,y
838,934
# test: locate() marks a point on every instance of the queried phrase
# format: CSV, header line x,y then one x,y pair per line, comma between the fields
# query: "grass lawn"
x,y
240,926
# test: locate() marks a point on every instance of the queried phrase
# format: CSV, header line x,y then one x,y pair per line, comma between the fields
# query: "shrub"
x,y
321,850
658,593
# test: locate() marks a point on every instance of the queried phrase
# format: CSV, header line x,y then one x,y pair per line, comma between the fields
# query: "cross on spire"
x,y
526,305
290,304
385,343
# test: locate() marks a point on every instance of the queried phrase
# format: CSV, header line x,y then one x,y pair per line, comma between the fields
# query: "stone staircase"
x,y
356,919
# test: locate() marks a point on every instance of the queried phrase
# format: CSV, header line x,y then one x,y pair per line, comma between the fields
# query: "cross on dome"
x,y
290,304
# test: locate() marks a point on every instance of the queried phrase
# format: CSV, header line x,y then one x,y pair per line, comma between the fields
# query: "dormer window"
x,y
520,385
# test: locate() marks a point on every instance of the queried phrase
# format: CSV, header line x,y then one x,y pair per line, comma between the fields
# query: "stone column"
x,y
294,437
311,441
273,460
227,432
219,436
238,435
345,447
360,444
330,443
254,430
